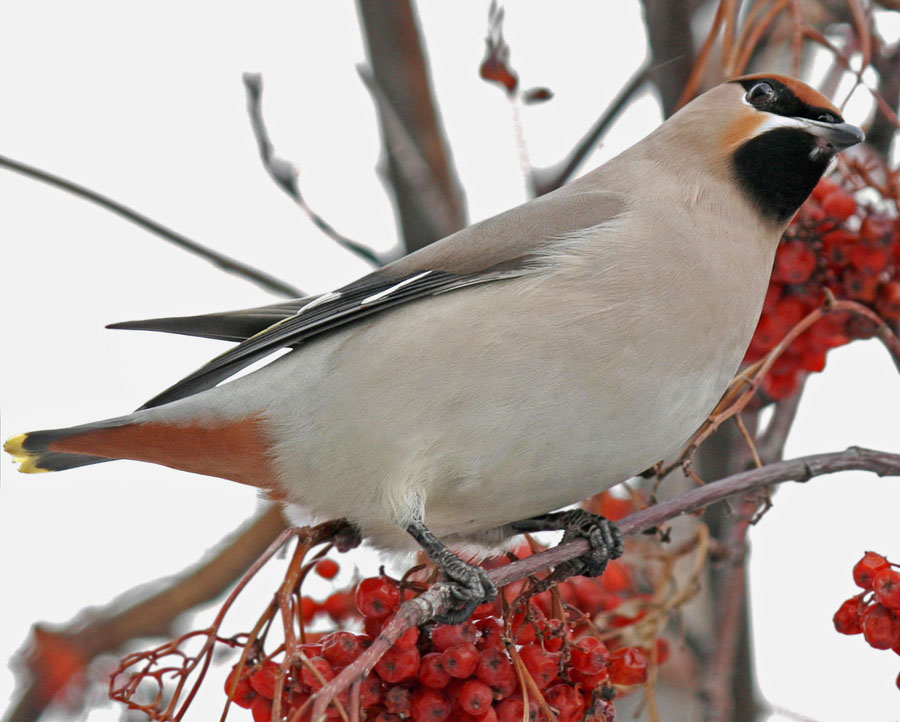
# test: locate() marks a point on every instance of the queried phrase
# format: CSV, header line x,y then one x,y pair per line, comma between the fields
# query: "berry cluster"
x,y
874,613
835,243
543,650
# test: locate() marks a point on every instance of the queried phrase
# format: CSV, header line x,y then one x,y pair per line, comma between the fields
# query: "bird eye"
x,y
760,93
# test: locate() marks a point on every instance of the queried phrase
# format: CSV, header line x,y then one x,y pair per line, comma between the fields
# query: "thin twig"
x,y
437,599
260,278
544,180
285,175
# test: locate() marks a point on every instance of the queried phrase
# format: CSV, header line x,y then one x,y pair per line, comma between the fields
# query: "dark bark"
x,y
429,202
668,24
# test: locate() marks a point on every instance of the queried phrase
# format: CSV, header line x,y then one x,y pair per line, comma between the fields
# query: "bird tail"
x,y
236,449
40,451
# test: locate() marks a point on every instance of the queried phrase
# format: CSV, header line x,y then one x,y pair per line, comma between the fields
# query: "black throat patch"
x,y
778,170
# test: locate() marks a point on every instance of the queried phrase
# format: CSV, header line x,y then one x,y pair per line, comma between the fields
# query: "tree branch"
x,y
260,278
437,599
544,180
284,174
400,71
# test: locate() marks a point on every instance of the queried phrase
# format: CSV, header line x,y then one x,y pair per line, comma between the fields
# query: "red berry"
x,y
429,705
341,648
589,655
554,633
490,633
475,697
315,680
888,302
496,670
263,679
339,606
870,260
794,262
880,627
431,671
564,698
261,708
309,607
377,597
398,700
859,286
886,585
823,188
444,636
591,597
512,709
398,664
543,667
460,660
408,639
327,568
243,694
876,228
846,618
866,568
838,245
839,204
370,691
628,665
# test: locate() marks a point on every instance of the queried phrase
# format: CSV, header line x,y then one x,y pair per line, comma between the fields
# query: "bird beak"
x,y
837,136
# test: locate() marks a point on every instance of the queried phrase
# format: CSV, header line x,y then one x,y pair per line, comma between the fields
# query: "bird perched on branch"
x,y
465,392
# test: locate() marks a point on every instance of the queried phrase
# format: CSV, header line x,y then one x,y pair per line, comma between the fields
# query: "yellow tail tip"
x,y
27,461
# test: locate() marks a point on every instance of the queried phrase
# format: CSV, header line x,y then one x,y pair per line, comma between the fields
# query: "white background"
x,y
146,105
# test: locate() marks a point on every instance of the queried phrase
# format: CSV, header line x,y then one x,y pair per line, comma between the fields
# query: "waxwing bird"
x,y
465,392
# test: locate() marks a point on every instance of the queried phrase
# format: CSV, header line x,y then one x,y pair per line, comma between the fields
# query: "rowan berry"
x,y
444,636
429,705
377,597
240,689
475,697
589,655
881,628
309,607
408,639
543,666
490,633
370,691
886,585
847,617
839,204
564,698
327,568
888,302
316,672
460,660
865,569
496,670
261,709
794,262
398,700
398,664
628,665
339,606
431,671
263,679
341,648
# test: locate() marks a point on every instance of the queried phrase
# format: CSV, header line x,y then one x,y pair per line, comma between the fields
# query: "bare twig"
x,y
437,599
285,175
264,280
544,180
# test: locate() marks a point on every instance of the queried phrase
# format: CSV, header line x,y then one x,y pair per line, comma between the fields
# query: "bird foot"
x,y
604,537
469,585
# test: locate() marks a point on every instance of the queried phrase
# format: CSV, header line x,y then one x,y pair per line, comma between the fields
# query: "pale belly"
x,y
527,418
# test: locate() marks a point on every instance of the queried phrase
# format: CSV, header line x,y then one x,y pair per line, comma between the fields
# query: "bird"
x,y
468,391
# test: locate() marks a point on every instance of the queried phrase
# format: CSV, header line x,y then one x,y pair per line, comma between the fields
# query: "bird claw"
x,y
470,586
603,535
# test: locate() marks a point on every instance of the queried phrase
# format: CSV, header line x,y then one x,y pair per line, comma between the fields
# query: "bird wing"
x,y
506,246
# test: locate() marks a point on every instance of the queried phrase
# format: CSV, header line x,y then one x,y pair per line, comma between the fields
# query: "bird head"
x,y
779,138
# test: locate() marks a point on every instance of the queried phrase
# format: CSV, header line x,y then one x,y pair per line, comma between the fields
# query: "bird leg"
x,y
470,585
604,537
